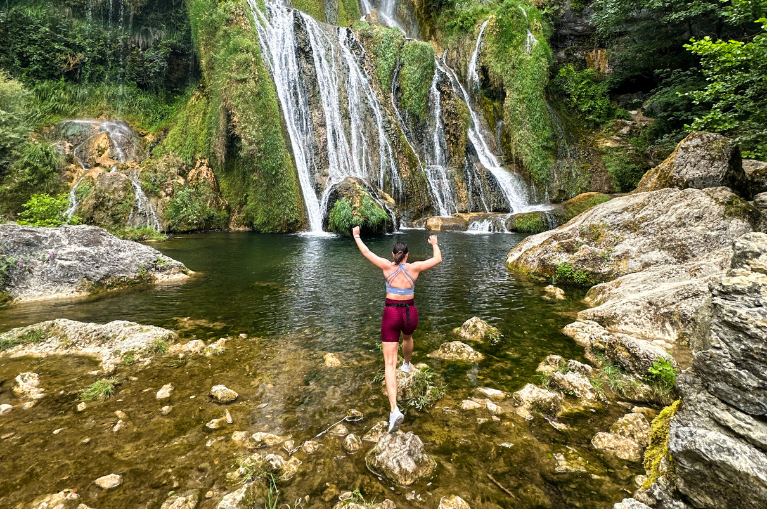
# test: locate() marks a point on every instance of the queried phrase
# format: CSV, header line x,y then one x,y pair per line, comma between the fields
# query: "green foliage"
x,y
192,208
529,222
34,170
566,274
385,45
14,119
314,8
137,234
158,347
625,171
426,390
585,92
7,265
662,375
415,76
31,336
45,210
371,218
99,390
736,77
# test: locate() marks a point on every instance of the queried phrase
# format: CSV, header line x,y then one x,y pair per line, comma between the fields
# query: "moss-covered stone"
x,y
107,199
354,206
582,203
657,460
529,222
415,76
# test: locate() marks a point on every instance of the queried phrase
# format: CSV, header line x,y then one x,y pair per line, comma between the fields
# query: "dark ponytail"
x,y
399,252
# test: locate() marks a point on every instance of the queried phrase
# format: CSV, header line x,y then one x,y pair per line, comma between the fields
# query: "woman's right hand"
x,y
355,231
432,239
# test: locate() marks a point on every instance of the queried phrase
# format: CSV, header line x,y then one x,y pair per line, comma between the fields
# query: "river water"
x,y
298,297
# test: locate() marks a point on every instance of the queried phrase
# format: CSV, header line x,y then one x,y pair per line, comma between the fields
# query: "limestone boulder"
x,y
476,329
575,384
375,433
186,500
71,261
223,394
756,173
456,351
352,443
107,342
624,448
700,161
534,398
453,502
400,458
444,224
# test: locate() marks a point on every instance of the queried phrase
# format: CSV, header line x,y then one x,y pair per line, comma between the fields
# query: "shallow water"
x,y
298,297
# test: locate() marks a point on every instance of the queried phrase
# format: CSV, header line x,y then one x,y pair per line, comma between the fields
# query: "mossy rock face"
x,y
582,203
528,222
700,161
351,205
657,459
107,199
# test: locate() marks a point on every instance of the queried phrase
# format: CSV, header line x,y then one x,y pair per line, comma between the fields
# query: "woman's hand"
x,y
355,231
433,240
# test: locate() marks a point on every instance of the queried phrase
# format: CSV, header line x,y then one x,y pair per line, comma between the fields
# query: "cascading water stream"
x,y
531,40
335,68
474,62
435,172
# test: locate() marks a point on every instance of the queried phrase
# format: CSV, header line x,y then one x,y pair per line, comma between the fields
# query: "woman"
x,y
400,316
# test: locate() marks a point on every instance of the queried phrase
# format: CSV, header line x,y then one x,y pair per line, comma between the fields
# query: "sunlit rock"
x,y
352,443
222,394
534,398
266,439
5,408
109,481
375,433
187,500
476,329
455,350
27,386
400,458
552,292
165,391
332,360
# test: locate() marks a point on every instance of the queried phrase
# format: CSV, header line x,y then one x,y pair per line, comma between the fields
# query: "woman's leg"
x,y
390,367
407,347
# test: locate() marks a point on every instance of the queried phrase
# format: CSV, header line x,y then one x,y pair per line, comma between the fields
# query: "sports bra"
x,y
400,291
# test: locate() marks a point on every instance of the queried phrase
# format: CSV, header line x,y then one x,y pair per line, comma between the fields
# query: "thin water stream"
x,y
298,297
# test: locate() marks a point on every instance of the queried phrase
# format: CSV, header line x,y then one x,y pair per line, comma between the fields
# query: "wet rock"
x,y
27,386
400,458
186,500
552,292
310,446
241,438
352,443
550,364
196,346
216,423
109,481
81,406
85,257
700,161
476,329
274,463
630,503
455,350
375,433
28,405
492,393
5,408
332,360
578,367
166,410
165,391
121,415
289,446
232,500
469,404
66,499
494,409
628,437
354,415
267,439
575,384
444,224
222,394
623,448
117,427
405,381
633,426
106,342
569,465
534,398
453,502
339,430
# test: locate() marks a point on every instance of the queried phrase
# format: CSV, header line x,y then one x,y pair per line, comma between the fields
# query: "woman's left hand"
x,y
356,231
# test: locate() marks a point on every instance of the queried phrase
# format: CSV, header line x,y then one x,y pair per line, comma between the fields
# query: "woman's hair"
x,y
399,252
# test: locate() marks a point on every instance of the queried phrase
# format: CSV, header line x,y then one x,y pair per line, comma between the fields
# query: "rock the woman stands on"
x,y
400,316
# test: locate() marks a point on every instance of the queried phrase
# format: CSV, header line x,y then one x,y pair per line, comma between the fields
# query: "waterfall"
x,y
531,40
474,62
387,13
335,68
435,172
512,185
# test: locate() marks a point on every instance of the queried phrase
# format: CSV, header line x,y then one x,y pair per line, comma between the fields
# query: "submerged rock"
x,y
455,350
5,408
27,386
267,439
108,342
400,458
165,391
232,500
534,398
492,393
109,481
552,292
187,500
352,443
75,260
339,430
375,433
575,384
222,394
628,437
453,502
332,360
66,499
476,329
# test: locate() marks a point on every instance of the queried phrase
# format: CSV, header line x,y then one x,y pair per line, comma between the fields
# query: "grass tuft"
x,y
100,390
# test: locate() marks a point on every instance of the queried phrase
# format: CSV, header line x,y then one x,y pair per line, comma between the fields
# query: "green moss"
x,y
314,8
567,274
137,234
624,169
236,116
371,218
582,203
194,208
191,137
529,222
415,76
384,45
657,451
739,208
348,12
30,336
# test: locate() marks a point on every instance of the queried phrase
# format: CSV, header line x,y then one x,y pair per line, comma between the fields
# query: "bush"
x,y
369,217
45,210
662,375
14,119
193,209
34,170
586,93
625,172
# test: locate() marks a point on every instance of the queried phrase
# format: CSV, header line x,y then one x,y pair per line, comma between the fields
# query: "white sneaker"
x,y
395,420
406,367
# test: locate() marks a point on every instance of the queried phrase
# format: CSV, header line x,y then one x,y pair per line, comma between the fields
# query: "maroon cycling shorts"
x,y
399,316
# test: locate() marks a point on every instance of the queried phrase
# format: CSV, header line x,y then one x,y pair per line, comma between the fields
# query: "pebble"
x,y
86,441
133,378
120,425
81,407
229,419
57,431
310,446
121,415
166,409
109,481
243,336
332,360
28,405
262,405
8,435
5,408
215,423
165,391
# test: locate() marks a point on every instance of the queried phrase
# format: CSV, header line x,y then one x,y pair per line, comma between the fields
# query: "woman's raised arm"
x,y
436,257
376,260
